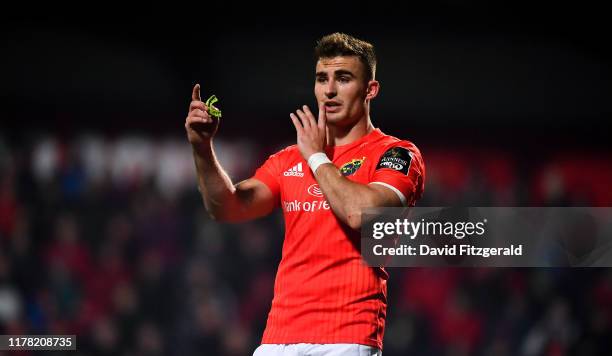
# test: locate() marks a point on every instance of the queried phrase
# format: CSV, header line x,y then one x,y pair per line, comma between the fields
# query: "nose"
x,y
330,89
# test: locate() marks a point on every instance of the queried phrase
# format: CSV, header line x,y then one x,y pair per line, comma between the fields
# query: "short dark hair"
x,y
341,44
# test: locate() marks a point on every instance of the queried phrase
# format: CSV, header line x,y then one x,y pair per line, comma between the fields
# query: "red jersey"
x,y
324,292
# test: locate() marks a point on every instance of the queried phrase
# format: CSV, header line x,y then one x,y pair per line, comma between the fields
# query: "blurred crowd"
x,y
107,238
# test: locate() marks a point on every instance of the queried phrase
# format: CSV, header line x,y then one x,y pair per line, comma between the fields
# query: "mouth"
x,y
332,106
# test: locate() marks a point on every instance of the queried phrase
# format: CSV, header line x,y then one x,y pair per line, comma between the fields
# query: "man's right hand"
x,y
200,126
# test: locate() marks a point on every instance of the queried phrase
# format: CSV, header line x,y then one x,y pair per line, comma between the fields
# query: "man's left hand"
x,y
311,133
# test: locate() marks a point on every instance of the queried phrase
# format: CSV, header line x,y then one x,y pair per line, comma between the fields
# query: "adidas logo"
x,y
295,171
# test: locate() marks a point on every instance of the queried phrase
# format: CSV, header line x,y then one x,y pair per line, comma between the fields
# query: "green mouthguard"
x,y
213,111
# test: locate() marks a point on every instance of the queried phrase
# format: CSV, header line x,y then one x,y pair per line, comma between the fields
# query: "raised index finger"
x,y
322,122
195,95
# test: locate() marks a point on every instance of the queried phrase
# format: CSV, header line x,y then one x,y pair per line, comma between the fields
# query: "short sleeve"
x,y
400,168
269,174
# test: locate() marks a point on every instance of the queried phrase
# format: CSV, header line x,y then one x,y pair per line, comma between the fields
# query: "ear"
x,y
372,89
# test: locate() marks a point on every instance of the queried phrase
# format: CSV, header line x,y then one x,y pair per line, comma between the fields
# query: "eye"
x,y
321,79
344,79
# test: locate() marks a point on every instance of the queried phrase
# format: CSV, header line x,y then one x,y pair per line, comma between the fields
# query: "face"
x,y
341,85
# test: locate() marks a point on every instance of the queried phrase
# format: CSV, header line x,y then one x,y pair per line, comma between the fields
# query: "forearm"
x,y
216,187
346,198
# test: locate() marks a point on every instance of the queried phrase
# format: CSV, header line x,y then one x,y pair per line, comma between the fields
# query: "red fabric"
x,y
428,290
584,179
8,210
459,327
450,169
324,292
74,256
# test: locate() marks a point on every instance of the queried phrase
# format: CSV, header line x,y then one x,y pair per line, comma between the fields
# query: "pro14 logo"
x,y
393,165
396,158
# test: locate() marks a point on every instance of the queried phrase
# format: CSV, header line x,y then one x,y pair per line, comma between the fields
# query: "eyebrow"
x,y
337,73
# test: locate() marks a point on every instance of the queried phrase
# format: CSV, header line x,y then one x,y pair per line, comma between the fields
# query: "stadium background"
x,y
103,234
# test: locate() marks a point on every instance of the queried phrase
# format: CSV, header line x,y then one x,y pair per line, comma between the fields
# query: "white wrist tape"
x,y
317,159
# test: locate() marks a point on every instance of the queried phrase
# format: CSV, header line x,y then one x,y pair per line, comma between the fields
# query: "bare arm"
x,y
346,198
223,200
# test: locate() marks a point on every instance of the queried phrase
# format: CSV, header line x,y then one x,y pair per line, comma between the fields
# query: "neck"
x,y
337,136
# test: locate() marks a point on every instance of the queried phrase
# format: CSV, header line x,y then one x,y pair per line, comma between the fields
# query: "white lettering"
x,y
375,250
293,174
308,206
291,206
